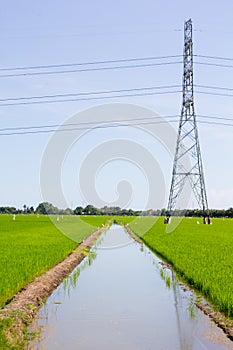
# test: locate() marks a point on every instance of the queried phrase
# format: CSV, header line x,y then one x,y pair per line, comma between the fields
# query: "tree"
x,y
229,212
131,212
78,211
91,210
31,210
66,211
47,208
8,210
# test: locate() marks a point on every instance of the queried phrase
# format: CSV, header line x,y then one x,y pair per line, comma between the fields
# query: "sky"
x,y
128,165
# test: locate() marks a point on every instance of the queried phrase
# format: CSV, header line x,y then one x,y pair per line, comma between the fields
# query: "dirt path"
x,y
24,306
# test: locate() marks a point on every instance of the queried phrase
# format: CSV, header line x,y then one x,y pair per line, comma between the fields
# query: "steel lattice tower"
x,y
187,161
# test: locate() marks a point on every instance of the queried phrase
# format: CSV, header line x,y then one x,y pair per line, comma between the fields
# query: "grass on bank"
x,y
30,245
201,254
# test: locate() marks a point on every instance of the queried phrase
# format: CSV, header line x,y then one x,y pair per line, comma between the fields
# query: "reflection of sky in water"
x,y
115,239
123,299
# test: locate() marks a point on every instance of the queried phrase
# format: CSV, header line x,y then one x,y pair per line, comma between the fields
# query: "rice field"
x,y
201,254
32,244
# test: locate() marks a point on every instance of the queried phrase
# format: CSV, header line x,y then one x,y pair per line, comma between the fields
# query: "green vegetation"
x,y
46,208
31,244
201,254
96,221
123,220
4,343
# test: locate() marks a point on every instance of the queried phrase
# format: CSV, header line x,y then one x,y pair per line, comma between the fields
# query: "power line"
x,y
87,123
26,98
124,60
74,97
213,117
90,98
95,95
93,69
213,87
89,69
215,123
112,121
91,63
88,93
107,126
215,57
84,126
213,93
214,64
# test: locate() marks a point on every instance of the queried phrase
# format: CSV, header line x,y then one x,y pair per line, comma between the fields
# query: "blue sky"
x,y
57,32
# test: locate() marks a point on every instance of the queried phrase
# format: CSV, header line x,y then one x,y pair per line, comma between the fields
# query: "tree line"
x,y
46,208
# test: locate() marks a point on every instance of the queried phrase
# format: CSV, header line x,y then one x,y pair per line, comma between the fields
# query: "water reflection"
x,y
71,281
124,299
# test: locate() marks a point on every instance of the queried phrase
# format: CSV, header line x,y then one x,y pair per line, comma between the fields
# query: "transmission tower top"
x,y
188,101
187,167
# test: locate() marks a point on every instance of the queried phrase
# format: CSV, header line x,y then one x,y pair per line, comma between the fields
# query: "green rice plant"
x,y
30,245
124,220
95,221
201,254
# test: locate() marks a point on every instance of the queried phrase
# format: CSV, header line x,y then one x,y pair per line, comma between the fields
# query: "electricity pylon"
x,y
187,162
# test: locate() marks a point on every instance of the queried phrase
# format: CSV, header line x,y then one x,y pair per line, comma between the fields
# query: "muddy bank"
x,y
24,306
222,321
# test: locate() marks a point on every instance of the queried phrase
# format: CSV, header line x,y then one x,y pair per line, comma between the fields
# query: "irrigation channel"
x,y
122,297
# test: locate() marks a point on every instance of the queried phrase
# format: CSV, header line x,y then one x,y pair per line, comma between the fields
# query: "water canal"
x,y
121,298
